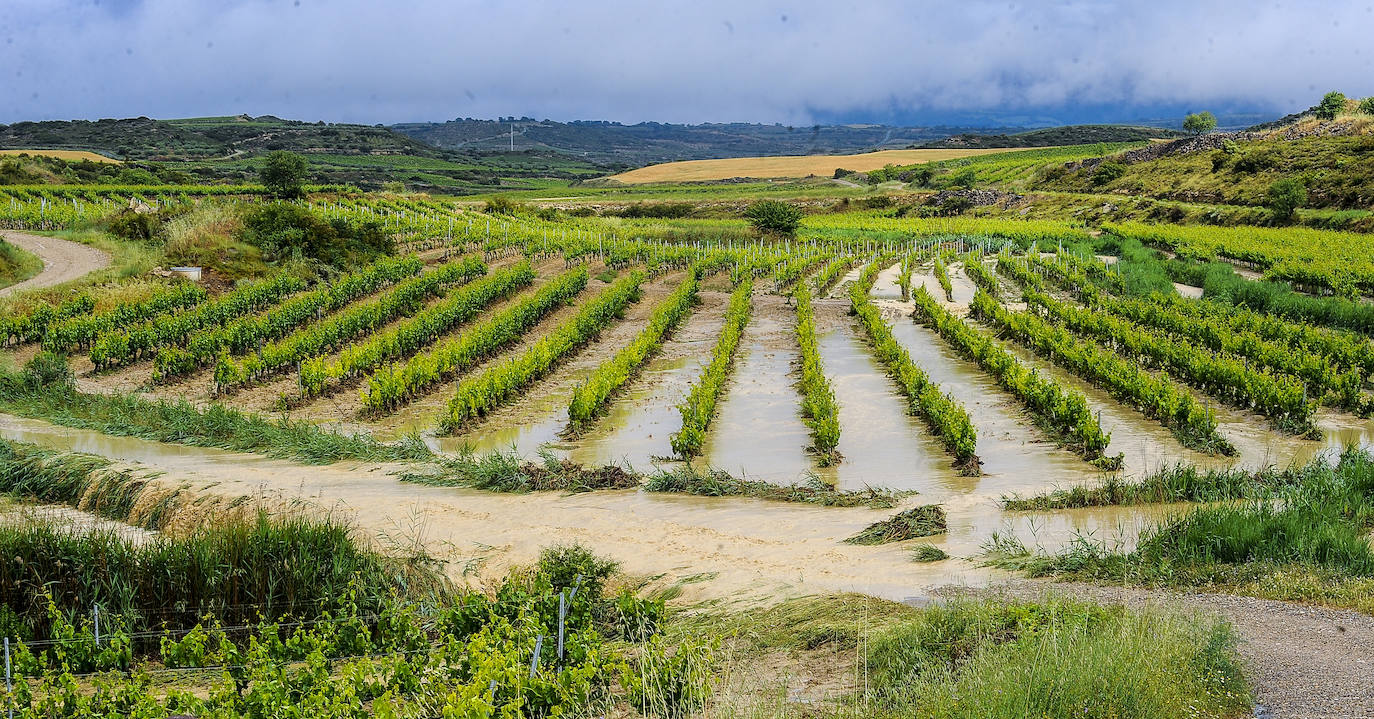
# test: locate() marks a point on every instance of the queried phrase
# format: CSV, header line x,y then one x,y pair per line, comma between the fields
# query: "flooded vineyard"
x,y
757,431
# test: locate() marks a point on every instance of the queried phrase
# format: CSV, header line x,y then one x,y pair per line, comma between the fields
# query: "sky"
x,y
797,63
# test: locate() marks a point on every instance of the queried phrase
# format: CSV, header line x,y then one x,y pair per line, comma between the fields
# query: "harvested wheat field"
x,y
76,155
787,166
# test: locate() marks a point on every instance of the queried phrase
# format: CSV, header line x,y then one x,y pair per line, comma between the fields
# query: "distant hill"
x,y
652,142
142,138
228,149
1056,137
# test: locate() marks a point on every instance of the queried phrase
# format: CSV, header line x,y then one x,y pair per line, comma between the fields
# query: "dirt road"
x,y
63,260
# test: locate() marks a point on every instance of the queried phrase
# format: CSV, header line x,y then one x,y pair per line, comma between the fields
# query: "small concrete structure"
x,y
190,273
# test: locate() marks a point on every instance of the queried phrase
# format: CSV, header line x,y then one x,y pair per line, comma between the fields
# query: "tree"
x,y
1367,106
1200,122
1285,196
1332,103
774,216
283,173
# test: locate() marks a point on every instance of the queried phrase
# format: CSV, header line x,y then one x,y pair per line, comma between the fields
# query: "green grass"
x,y
1335,170
231,571
181,422
1054,659
508,472
1303,535
17,264
924,521
925,553
687,479
1179,483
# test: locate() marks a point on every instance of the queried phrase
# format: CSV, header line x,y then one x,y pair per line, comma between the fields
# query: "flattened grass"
x,y
924,521
716,483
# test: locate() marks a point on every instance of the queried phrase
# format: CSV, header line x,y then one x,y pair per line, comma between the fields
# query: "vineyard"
x,y
931,367
489,325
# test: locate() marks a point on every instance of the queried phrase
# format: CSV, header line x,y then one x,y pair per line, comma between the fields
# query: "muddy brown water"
x,y
725,548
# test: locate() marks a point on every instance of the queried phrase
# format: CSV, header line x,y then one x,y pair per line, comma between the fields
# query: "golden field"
x,y
787,165
76,155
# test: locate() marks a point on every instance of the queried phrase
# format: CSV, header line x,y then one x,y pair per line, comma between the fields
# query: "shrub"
x,y
135,226
501,205
572,565
1367,106
921,176
1220,159
1285,196
1107,172
1332,104
283,231
658,210
47,369
965,178
1255,161
841,172
773,216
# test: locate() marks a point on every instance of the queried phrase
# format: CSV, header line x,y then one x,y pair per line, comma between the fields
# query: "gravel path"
x,y
63,260
1304,662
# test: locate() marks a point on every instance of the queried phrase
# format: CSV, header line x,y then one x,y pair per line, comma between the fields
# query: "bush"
x,y
1332,104
1107,172
841,172
1220,159
1256,161
772,216
501,205
1367,106
920,176
47,369
135,226
574,565
1285,196
285,231
965,178
658,210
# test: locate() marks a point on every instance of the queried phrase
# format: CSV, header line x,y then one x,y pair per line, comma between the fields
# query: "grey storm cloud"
x,y
705,60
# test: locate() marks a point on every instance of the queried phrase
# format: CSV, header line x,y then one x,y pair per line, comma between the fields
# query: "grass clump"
x,y
16,264
924,521
1054,659
1302,534
1179,483
924,553
717,483
232,572
509,472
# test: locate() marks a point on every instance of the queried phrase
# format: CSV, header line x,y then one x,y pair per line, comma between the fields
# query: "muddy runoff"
x,y
718,548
